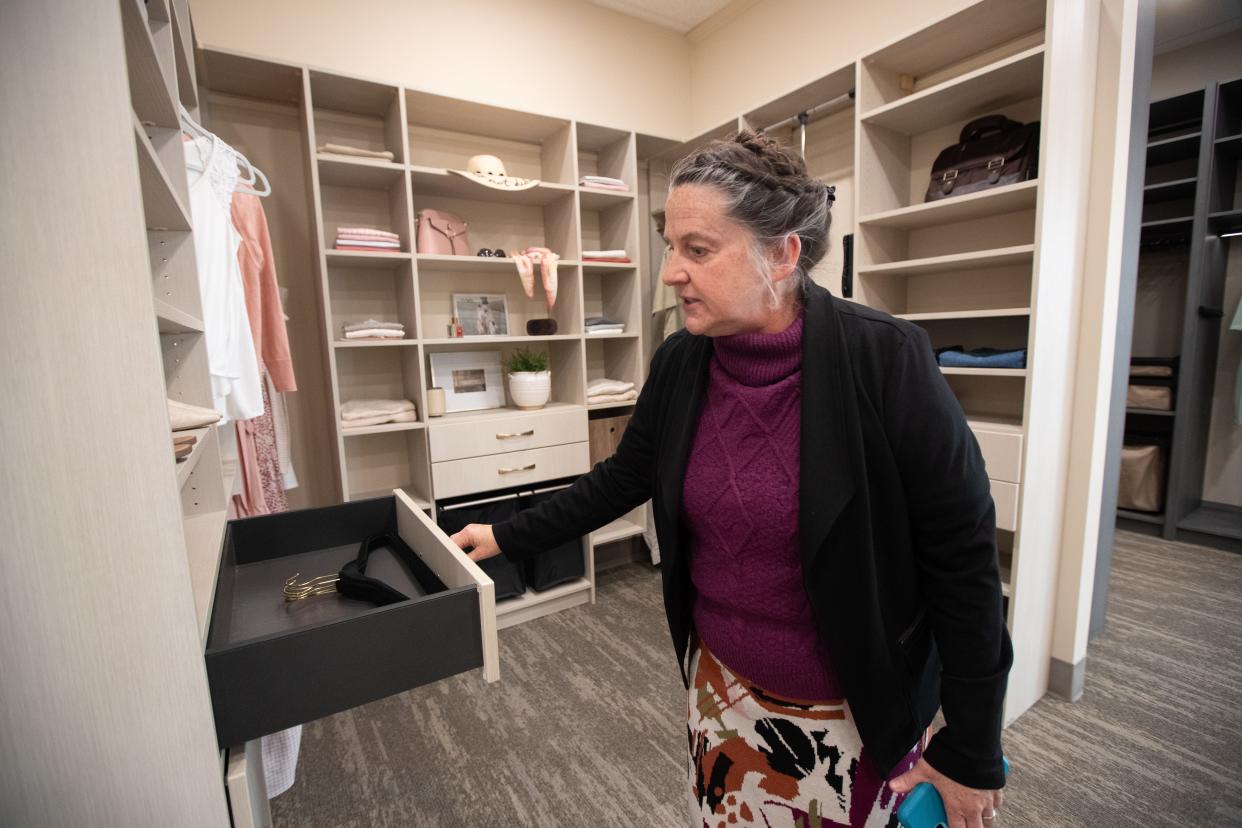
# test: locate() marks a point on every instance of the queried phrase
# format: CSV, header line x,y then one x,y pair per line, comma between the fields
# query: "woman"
x,y
824,518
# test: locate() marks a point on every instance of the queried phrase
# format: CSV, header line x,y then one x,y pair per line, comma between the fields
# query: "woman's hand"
x,y
478,538
966,807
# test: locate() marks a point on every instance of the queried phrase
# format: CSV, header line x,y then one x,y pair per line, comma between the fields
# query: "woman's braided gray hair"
x,y
767,189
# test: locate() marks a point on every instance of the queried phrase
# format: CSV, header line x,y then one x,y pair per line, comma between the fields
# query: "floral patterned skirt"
x,y
756,759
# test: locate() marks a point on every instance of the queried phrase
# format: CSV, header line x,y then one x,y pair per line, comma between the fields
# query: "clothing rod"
x,y
818,109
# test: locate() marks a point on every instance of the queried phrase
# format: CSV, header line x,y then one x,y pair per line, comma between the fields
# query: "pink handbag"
x,y
442,233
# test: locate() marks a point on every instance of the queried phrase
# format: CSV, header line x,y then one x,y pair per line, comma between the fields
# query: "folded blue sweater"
x,y
983,358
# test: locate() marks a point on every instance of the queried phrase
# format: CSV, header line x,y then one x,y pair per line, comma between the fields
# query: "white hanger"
x,y
252,174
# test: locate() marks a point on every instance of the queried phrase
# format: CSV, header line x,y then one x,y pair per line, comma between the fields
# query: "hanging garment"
x,y
263,490
231,359
263,306
280,423
280,760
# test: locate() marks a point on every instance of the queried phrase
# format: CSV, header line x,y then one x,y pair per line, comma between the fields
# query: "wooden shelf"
x,y
186,467
419,501
604,406
1219,519
498,414
965,314
498,340
432,181
992,422
604,268
160,203
619,529
531,604
477,264
593,199
1169,150
984,372
1149,412
999,257
1141,517
1007,81
1225,221
364,173
373,343
173,321
622,335
1007,199
183,51
1230,145
354,258
148,90
1169,190
383,428
203,536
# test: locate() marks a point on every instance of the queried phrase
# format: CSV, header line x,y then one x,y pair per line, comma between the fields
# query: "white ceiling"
x,y
681,16
1179,23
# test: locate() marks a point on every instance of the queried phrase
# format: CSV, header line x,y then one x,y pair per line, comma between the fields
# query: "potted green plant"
x,y
530,380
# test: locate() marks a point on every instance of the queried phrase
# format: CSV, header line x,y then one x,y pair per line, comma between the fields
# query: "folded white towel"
x,y
378,245
375,333
601,179
372,324
603,254
605,329
612,398
403,417
608,386
367,231
362,409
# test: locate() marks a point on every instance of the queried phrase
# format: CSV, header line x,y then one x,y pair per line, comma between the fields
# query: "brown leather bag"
x,y
442,233
991,152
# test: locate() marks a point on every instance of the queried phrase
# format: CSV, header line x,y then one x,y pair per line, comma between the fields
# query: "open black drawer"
x,y
273,664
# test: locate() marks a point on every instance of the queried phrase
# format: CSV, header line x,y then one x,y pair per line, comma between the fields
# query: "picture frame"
x,y
472,380
482,314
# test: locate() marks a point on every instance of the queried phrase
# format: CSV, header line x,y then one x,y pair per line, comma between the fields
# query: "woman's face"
x,y
707,262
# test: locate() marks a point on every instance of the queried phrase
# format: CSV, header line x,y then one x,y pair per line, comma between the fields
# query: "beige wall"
x,y
563,58
1183,70
775,46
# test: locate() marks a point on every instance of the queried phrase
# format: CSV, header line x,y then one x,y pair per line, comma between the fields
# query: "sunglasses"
x,y
488,253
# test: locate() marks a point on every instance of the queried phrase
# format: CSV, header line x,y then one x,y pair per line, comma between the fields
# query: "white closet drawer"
x,y
1005,495
1002,451
513,468
513,432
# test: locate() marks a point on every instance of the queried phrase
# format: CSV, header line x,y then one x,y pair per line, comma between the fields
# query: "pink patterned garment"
x,y
263,491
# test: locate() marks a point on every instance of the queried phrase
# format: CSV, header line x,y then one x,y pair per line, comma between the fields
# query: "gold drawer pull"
x,y
510,435
503,470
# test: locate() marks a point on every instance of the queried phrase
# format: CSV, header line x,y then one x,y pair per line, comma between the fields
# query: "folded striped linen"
x,y
600,179
983,358
612,398
603,254
367,408
357,152
372,324
375,333
608,386
367,231
403,417
368,240
367,245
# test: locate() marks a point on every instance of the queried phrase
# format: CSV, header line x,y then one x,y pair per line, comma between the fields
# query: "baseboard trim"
x,y
1067,680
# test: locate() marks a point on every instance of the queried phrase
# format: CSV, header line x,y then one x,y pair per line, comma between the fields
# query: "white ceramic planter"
x,y
530,389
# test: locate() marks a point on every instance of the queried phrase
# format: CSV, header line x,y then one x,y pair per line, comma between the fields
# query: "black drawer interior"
x,y
272,664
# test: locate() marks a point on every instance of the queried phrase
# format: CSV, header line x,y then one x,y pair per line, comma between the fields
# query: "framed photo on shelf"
x,y
472,380
482,314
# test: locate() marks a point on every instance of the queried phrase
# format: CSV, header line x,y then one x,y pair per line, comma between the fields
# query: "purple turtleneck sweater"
x,y
741,506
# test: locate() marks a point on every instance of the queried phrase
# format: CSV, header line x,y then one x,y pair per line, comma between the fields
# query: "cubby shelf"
x,y
385,428
990,313
985,372
595,199
603,406
1141,517
498,340
511,611
606,267
1225,221
998,257
373,343
364,173
1012,79
1230,145
1169,190
203,535
1008,199
1148,412
147,87
356,258
186,467
619,529
478,264
614,335
160,202
433,181
170,320
1170,150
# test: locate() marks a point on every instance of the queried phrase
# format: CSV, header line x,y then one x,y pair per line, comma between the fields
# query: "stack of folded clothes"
x,y
367,240
610,391
604,256
374,329
183,416
356,152
603,182
360,413
958,357
603,324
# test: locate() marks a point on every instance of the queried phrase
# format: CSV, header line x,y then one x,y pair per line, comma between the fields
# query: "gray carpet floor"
x,y
551,744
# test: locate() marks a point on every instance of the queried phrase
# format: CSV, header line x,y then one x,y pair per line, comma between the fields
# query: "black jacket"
x,y
897,527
